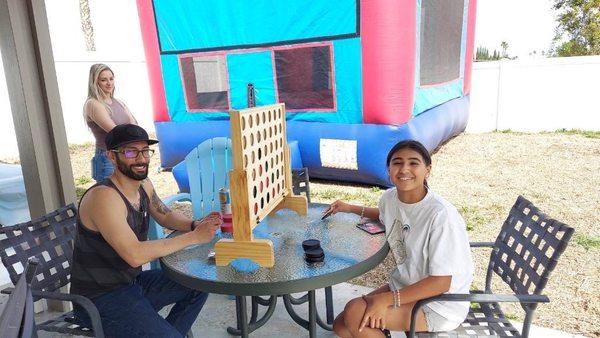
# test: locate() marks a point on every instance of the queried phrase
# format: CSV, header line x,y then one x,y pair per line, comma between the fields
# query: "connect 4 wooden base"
x,y
258,250
261,181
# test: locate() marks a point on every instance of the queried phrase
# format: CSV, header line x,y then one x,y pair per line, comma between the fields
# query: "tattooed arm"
x,y
104,211
162,214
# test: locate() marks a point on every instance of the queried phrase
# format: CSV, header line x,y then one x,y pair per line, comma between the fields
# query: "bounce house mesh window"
x,y
304,78
441,32
205,82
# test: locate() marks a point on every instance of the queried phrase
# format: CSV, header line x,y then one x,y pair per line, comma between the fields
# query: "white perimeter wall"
x,y
536,95
529,95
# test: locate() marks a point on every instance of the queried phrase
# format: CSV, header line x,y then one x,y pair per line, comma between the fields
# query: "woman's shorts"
x,y
101,166
436,322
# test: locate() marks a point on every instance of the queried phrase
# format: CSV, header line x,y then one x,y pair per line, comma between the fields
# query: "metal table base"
x,y
245,327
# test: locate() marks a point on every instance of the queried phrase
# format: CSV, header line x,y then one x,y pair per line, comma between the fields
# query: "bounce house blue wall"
x,y
426,98
432,128
187,25
348,82
260,75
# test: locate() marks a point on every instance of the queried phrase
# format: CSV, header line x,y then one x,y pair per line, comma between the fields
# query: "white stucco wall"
x,y
8,141
118,44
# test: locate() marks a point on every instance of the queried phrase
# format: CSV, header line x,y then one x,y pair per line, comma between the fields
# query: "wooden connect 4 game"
x,y
261,181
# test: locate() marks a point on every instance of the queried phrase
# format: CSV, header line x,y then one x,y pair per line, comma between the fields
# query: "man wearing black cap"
x,y
111,246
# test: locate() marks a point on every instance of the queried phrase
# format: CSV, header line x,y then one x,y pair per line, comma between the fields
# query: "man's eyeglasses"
x,y
134,153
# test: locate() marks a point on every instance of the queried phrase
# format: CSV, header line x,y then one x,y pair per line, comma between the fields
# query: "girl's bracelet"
x,y
396,298
362,212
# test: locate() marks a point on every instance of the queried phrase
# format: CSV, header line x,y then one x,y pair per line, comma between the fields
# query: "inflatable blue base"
x,y
373,141
14,208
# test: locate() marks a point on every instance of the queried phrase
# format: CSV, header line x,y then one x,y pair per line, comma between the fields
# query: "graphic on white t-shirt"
x,y
397,241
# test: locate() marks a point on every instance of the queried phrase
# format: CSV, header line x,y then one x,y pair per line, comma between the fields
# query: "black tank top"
x,y
97,267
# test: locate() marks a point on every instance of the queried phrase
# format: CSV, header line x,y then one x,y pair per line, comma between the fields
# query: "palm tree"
x,y
86,25
504,46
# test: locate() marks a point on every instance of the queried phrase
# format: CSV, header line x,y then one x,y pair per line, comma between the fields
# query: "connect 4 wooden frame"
x,y
260,182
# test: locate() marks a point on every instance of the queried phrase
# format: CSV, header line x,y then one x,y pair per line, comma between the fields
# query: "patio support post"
x,y
35,104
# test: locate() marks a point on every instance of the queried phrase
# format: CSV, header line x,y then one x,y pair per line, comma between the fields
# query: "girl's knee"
x,y
353,313
338,325
355,305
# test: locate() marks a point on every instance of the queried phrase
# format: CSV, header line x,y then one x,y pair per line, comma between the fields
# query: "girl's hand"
x,y
337,206
375,312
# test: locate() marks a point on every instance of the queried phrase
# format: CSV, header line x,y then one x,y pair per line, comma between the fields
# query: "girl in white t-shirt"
x,y
428,240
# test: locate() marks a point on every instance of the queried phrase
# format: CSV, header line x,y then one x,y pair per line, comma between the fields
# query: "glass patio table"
x,y
349,252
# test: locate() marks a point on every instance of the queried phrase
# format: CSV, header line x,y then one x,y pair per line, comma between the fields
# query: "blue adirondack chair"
x,y
208,168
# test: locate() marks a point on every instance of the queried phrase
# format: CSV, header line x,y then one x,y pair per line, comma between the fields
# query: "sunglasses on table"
x,y
134,153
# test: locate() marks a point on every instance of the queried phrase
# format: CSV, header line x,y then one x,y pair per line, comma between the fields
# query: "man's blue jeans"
x,y
132,311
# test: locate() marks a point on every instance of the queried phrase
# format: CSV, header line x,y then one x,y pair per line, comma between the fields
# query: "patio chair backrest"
x,y
527,248
208,168
49,239
300,182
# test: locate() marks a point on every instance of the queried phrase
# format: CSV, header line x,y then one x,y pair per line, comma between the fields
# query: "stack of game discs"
x,y
313,253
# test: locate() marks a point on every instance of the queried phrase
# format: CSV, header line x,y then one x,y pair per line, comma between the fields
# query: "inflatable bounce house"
x,y
356,76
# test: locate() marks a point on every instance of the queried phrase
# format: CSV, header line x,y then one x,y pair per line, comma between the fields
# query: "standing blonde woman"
x,y
102,112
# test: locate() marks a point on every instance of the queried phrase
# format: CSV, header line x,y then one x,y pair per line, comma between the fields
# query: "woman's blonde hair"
x,y
94,91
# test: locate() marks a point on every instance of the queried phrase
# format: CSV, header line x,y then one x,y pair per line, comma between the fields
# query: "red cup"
x,y
227,225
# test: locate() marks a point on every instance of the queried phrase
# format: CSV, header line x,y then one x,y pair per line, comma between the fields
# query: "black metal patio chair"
x,y
17,319
300,182
523,255
49,239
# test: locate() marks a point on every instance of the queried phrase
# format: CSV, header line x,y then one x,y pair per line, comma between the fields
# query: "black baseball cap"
x,y
126,133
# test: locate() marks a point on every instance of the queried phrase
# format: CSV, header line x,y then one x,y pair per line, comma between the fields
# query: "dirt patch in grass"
x,y
482,175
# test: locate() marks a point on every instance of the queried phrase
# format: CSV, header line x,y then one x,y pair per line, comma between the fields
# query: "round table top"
x,y
349,252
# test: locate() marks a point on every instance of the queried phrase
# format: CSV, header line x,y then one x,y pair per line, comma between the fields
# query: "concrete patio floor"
x,y
219,313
